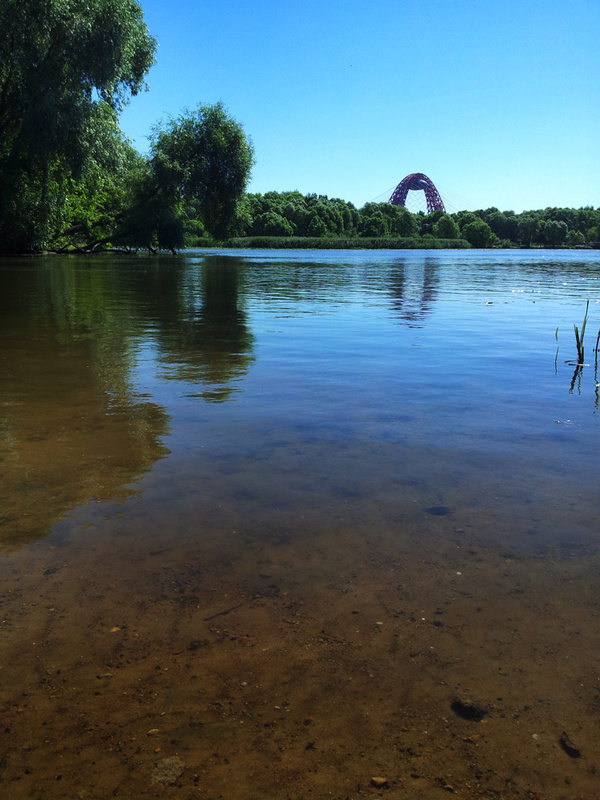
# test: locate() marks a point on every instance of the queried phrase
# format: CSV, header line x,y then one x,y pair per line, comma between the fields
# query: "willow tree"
x,y
205,158
198,168
67,67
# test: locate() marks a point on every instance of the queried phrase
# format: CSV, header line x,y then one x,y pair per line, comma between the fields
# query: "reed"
x,y
579,336
348,243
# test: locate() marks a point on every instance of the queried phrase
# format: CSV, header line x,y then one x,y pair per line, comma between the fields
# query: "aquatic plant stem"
x,y
579,338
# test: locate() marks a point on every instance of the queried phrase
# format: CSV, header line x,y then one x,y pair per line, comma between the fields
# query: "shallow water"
x,y
262,448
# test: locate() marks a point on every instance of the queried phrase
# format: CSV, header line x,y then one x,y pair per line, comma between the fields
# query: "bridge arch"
x,y
416,182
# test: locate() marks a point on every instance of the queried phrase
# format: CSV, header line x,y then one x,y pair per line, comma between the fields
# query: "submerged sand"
x,y
227,666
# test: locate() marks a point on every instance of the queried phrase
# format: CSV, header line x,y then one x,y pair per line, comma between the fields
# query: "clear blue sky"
x,y
498,103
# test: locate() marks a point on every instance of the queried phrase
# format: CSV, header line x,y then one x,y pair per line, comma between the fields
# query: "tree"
x,y
465,218
376,219
272,224
316,226
373,223
555,232
348,214
575,238
65,67
504,225
399,221
204,156
296,213
592,235
446,228
104,190
198,168
528,227
478,233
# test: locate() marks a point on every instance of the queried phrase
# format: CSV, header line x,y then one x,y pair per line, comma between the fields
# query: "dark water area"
x,y
268,519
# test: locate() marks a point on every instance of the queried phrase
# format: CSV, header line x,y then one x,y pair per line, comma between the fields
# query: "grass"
x,y
346,243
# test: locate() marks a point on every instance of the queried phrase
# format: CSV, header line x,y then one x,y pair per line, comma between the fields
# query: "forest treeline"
x,y
70,181
288,215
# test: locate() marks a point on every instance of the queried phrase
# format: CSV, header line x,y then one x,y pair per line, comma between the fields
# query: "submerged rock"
x,y
466,709
567,745
438,511
167,771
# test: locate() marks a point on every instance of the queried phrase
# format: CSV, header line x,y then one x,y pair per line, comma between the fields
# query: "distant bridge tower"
x,y
417,182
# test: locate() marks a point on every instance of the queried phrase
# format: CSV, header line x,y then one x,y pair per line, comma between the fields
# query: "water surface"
x,y
286,381
301,437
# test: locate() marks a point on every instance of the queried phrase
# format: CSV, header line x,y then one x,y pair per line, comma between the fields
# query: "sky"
x,y
498,103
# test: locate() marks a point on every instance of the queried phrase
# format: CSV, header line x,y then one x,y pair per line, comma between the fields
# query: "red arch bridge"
x,y
415,183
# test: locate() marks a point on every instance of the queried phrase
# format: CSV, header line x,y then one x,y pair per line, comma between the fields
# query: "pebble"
x,y
379,783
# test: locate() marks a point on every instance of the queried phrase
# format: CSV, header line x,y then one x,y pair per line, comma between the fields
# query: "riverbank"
x,y
345,243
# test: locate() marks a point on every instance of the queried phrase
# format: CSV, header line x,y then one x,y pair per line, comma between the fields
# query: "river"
x,y
282,522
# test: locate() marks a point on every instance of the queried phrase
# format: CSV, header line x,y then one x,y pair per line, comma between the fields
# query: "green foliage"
x,y
478,233
465,218
204,156
373,223
70,180
191,184
555,232
273,224
314,215
484,228
399,221
64,67
446,228
575,238
316,226
527,227
104,190
503,224
345,243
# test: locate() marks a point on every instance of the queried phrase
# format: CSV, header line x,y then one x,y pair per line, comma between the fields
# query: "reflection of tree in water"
x,y
71,429
413,286
206,343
